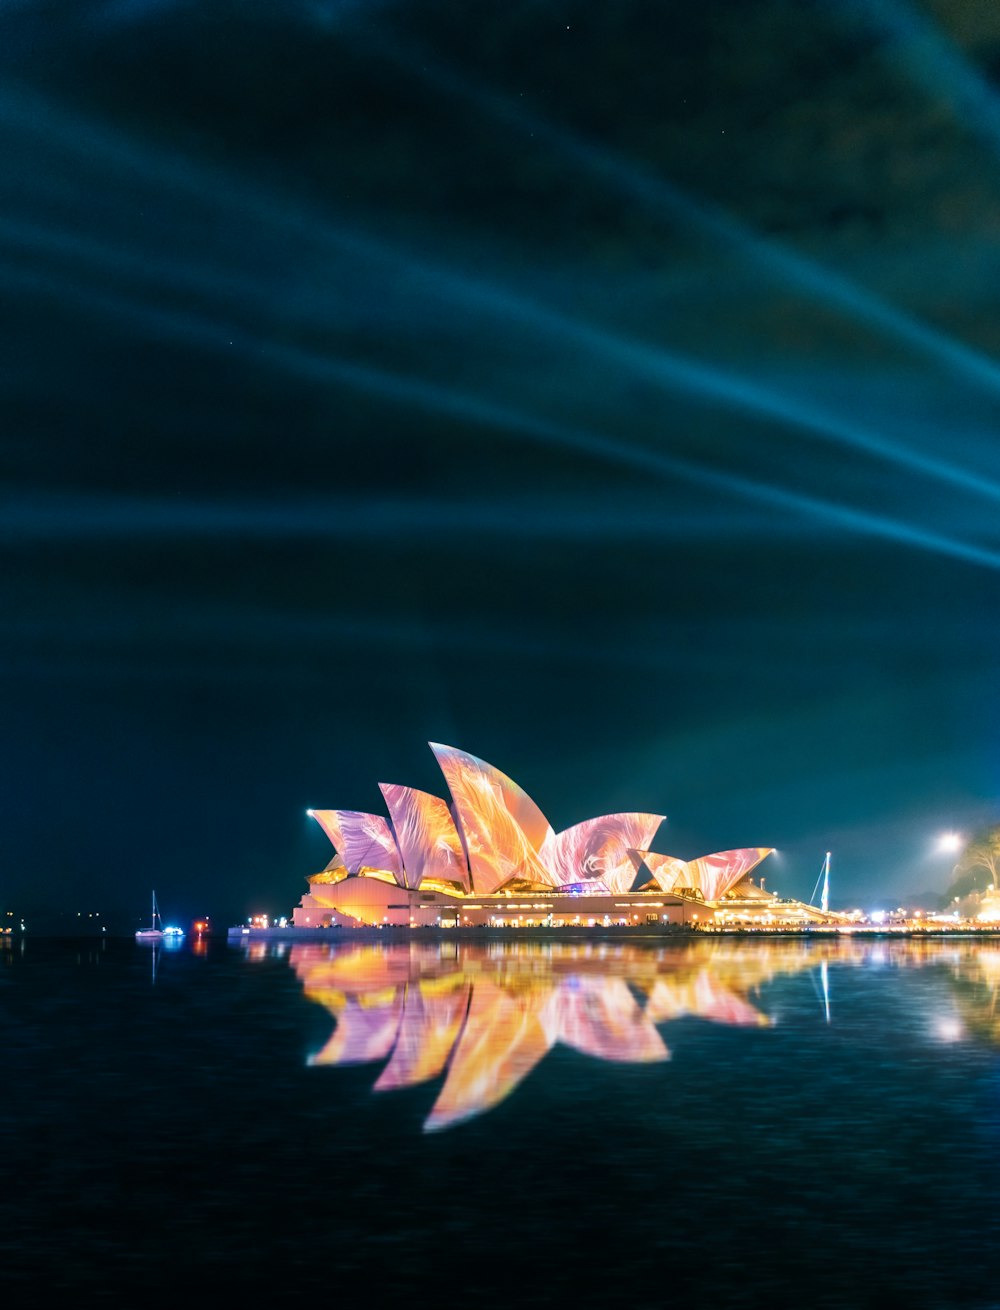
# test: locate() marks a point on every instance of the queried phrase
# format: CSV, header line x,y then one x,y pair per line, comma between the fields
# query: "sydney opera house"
x,y
488,857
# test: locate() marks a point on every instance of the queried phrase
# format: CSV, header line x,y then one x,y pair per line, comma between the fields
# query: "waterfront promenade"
x,y
598,933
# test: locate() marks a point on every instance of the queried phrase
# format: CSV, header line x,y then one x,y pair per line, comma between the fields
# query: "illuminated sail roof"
x,y
493,834
426,835
712,875
503,828
363,841
668,872
715,874
599,849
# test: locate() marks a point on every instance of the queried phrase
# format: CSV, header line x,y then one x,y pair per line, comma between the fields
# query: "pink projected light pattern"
x,y
715,874
599,849
712,875
363,841
426,834
668,871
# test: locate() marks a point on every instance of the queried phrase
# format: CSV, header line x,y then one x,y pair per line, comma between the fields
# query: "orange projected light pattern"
x,y
502,1041
504,829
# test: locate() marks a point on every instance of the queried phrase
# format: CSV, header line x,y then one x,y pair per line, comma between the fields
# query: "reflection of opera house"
x,y
490,858
482,1017
474,1019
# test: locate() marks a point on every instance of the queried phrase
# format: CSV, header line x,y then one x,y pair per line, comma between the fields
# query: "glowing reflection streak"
x,y
432,1017
503,1039
362,970
490,1019
704,996
601,1017
363,1032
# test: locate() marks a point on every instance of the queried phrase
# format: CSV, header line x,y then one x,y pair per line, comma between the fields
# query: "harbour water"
x,y
712,1122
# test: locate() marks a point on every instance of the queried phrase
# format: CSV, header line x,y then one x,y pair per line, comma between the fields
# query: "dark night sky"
x,y
609,390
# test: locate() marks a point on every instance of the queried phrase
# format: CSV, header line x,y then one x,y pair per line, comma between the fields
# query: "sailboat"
x,y
156,931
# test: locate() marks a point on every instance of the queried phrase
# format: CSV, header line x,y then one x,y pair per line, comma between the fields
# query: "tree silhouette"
x,y
979,860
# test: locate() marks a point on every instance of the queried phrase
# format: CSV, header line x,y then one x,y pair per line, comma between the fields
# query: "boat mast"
x,y
824,904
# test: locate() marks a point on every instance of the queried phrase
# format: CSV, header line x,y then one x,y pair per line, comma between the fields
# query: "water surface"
x,y
721,1122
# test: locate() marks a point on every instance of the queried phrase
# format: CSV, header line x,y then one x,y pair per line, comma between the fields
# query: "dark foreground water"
x,y
721,1124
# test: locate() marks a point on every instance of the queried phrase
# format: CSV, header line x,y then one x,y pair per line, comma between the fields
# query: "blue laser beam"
x,y
656,365
660,367
938,67
375,517
779,261
438,399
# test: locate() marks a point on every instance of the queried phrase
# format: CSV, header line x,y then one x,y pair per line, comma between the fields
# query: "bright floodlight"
x,y
949,842
309,814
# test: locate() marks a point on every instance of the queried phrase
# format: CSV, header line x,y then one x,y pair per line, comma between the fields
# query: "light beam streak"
x,y
661,368
666,370
53,517
823,284
654,364
435,398
939,68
